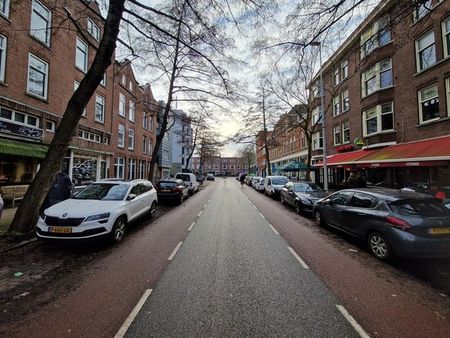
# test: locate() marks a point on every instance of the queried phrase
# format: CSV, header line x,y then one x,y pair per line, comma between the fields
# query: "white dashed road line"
x,y
273,229
192,225
199,214
123,329
352,321
298,258
262,215
174,252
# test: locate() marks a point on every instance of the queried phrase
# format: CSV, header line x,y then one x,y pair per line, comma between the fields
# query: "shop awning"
x,y
293,166
420,153
18,148
344,159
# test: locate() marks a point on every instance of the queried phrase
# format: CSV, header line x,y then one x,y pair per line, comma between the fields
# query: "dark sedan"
x,y
392,222
301,195
173,190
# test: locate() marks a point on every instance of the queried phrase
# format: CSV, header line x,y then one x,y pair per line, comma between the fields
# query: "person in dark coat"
x,y
353,181
60,190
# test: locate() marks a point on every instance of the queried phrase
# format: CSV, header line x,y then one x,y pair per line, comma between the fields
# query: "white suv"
x,y
190,180
102,208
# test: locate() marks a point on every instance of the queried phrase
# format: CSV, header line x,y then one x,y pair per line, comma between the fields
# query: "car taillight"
x,y
178,189
397,223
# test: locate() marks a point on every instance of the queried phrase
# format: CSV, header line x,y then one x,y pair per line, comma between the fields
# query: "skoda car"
x,y
301,195
103,208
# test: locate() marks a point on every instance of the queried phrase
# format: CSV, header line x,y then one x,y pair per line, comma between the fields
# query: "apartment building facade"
x,y
181,137
45,50
387,98
220,166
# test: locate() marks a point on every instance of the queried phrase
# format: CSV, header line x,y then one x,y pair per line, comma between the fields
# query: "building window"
x,y
428,104
81,55
344,69
131,111
377,35
50,126
131,169
76,84
346,132
93,29
152,123
130,86
92,137
336,76
99,108
121,136
345,101
4,8
422,8
446,37
336,106
2,58
122,103
317,141
41,20
144,145
141,169
130,139
18,117
377,77
37,76
315,116
103,81
124,79
447,85
378,119
337,135
119,166
144,120
425,51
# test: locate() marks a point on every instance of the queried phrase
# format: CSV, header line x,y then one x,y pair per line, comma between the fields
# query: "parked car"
x,y
392,222
210,177
200,179
248,179
273,185
190,180
174,190
103,208
254,180
259,185
301,195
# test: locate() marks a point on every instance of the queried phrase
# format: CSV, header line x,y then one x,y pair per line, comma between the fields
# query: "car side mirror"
x,y
328,201
131,197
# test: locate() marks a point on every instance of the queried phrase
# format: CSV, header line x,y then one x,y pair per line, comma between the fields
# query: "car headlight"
x,y
306,201
97,217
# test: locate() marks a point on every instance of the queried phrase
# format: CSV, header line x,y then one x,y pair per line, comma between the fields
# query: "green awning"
x,y
19,148
293,166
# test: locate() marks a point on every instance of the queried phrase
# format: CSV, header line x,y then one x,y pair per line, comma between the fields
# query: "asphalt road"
x,y
233,276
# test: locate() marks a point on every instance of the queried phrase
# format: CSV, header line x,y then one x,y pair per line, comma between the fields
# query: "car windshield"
x,y
279,180
165,185
306,187
103,192
186,178
411,207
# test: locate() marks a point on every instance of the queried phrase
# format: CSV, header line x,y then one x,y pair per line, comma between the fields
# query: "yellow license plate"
x,y
60,230
440,231
165,190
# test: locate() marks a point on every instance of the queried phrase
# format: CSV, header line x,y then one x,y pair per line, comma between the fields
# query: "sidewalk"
x,y
7,217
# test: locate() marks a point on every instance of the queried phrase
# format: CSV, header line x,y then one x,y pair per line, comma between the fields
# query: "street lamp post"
x,y
324,139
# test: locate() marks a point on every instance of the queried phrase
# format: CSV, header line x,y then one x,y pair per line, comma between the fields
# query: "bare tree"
x,y
249,156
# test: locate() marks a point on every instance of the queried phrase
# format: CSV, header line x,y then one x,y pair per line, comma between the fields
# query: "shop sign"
x,y
359,142
16,129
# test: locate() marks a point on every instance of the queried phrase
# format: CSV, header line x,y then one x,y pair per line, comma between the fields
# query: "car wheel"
x,y
152,211
191,192
181,200
118,230
379,246
298,208
282,199
318,218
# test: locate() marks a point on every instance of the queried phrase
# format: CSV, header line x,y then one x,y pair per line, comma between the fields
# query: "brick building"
x,y
221,166
43,58
387,97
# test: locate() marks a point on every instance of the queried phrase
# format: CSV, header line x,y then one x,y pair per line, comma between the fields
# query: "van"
x,y
190,180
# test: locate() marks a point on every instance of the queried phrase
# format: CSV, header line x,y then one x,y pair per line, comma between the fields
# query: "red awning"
x,y
344,159
411,154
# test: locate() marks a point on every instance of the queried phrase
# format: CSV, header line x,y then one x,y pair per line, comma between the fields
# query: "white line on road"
x,y
352,322
123,329
199,214
254,206
298,258
174,252
273,229
262,215
192,225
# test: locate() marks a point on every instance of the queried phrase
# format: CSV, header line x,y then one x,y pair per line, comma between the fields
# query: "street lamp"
x,y
324,142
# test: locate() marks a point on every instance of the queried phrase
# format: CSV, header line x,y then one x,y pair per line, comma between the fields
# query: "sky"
x,y
247,73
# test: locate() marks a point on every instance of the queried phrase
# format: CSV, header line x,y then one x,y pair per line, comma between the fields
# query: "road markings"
x,y
352,321
192,225
262,215
123,329
254,206
199,214
174,252
273,229
298,258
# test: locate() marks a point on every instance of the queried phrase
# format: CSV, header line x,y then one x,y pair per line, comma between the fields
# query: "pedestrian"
x,y
353,180
1,203
242,179
60,190
362,179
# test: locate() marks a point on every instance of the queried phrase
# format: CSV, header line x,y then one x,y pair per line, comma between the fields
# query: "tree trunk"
x,y
27,214
165,117
308,157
